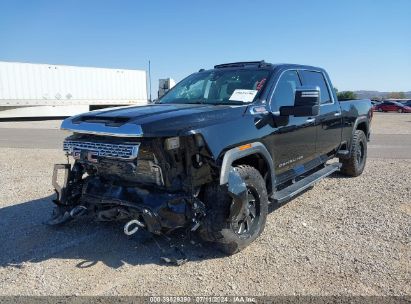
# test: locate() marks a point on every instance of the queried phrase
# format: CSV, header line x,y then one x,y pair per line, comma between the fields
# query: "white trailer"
x,y
165,85
39,90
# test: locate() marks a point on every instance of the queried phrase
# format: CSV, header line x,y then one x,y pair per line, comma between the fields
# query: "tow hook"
x,y
78,211
129,225
63,215
237,189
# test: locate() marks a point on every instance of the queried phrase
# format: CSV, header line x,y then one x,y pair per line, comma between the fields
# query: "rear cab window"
x,y
315,78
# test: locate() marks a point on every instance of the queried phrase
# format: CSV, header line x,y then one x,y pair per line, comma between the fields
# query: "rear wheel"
x,y
354,165
233,236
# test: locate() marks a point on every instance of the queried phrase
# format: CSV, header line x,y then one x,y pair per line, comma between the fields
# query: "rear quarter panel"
x,y
355,112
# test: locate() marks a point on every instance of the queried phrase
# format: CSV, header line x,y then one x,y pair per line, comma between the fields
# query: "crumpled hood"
x,y
153,120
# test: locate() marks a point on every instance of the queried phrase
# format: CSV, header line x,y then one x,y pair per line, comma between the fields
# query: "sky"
x,y
363,44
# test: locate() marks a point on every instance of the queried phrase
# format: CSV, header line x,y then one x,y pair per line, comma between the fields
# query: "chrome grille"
x,y
122,151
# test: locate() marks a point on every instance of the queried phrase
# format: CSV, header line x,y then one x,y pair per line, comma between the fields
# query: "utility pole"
x,y
149,78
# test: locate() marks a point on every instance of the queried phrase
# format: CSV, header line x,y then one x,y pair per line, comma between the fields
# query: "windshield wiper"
x,y
199,101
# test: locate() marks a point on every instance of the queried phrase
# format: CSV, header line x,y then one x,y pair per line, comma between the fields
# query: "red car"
x,y
392,106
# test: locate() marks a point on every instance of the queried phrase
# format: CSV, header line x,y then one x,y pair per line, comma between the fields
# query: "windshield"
x,y
219,87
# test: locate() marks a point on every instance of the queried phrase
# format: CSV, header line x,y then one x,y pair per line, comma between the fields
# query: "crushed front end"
x,y
150,183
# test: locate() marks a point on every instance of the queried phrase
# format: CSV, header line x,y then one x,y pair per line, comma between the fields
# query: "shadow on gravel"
x,y
25,238
339,175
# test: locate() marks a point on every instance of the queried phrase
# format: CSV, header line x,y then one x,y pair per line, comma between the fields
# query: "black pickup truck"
x,y
211,154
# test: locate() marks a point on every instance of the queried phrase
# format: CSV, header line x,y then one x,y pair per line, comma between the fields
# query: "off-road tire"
x,y
354,165
217,228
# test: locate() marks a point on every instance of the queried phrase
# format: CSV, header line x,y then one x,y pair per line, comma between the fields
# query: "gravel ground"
x,y
391,123
343,237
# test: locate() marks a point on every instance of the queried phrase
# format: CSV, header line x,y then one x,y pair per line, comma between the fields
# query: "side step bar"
x,y
292,190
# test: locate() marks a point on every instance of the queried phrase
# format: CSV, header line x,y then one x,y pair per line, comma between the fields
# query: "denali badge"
x,y
290,161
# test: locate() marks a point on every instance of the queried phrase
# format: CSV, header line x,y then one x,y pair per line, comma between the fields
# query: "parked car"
x,y
407,103
212,152
375,103
392,106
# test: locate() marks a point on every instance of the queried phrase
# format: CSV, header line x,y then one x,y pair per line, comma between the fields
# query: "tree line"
x,y
344,95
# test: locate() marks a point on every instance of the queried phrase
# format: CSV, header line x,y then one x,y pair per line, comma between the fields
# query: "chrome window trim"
x,y
126,130
328,88
297,69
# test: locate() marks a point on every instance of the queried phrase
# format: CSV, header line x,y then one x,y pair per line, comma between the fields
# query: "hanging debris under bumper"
x,y
108,200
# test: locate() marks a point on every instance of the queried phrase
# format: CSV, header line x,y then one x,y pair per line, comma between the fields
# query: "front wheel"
x,y
233,236
355,165
399,110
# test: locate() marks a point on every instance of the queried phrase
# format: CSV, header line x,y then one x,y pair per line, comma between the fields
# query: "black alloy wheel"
x,y
247,223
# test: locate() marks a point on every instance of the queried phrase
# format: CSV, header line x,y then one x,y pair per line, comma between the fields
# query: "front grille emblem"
x,y
92,156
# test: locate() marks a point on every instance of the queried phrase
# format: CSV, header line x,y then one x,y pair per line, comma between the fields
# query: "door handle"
x,y
309,120
337,114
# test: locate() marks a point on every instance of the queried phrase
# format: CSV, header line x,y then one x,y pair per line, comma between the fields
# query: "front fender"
x,y
239,152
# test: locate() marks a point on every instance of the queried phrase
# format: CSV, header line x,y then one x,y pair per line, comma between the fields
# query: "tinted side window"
x,y
311,78
285,90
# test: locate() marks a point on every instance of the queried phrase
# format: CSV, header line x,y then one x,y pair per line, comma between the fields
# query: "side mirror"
x,y
306,103
268,118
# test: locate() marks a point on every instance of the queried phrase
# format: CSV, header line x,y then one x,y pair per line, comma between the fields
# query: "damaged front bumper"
x,y
157,211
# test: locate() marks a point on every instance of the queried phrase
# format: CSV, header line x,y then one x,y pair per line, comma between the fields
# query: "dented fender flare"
x,y
237,189
236,153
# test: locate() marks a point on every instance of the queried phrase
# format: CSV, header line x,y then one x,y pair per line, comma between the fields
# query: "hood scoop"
x,y
108,121
107,126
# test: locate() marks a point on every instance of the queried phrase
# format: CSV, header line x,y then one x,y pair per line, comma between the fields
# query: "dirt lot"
x,y
391,123
343,237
